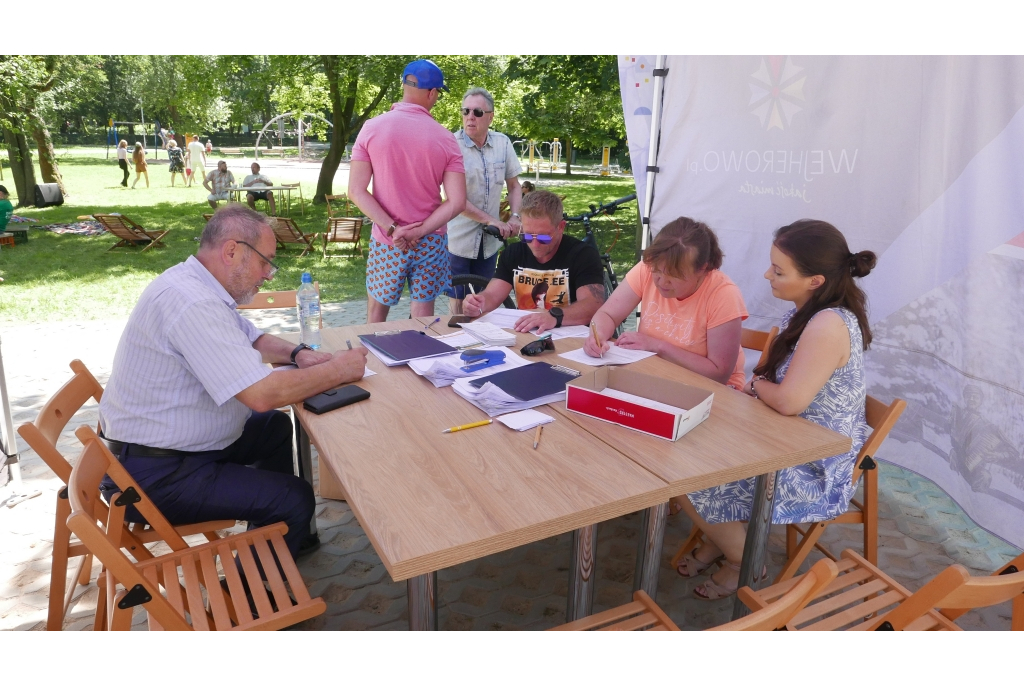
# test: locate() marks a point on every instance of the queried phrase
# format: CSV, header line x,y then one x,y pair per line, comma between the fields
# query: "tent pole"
x,y
652,149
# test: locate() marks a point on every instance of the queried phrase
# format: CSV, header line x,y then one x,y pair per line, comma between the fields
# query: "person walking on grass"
x,y
177,161
196,159
122,161
139,158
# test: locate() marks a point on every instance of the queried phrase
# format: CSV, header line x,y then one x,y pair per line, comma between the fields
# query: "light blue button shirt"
x,y
184,355
487,169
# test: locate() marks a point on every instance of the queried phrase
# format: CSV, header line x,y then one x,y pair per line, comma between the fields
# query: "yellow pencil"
x,y
536,436
468,425
597,340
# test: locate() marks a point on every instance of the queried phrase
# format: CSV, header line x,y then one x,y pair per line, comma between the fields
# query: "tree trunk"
x,y
568,156
21,167
339,132
47,158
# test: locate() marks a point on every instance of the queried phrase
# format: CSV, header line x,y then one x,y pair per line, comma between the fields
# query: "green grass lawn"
x,y
63,277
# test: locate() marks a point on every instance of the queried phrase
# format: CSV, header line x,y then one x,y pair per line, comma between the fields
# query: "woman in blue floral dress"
x,y
177,165
815,368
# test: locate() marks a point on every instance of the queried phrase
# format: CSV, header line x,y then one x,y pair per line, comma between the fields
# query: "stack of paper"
x,y
442,371
567,332
615,355
525,420
494,401
503,318
489,334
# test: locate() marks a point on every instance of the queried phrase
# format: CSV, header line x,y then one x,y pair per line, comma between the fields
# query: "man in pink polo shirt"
x,y
410,157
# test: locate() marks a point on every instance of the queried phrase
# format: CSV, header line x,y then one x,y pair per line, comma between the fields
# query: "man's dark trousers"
x,y
250,480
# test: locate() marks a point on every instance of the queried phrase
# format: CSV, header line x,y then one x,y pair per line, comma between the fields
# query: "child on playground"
x,y
139,158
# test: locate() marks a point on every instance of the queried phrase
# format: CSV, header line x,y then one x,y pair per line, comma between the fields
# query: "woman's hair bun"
x,y
862,263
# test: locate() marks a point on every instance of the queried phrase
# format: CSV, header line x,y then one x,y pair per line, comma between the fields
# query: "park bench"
x,y
231,151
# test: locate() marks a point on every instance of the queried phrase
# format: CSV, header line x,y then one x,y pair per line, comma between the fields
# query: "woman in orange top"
x,y
691,312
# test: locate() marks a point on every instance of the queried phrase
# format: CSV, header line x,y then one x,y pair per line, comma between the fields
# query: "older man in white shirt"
x,y
189,406
490,162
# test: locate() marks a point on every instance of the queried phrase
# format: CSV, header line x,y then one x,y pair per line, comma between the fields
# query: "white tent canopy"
x,y
916,158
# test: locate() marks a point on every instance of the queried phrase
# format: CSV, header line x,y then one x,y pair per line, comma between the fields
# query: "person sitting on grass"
x,y
6,209
814,369
257,180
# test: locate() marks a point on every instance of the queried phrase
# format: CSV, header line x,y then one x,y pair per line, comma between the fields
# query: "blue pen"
x,y
433,322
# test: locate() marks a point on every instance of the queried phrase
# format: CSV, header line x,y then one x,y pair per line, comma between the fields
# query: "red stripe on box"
x,y
617,411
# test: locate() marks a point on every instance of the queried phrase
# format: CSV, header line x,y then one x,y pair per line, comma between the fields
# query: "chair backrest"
x,y
780,612
104,540
279,299
207,217
1014,567
345,229
758,340
881,418
286,230
329,199
43,433
121,226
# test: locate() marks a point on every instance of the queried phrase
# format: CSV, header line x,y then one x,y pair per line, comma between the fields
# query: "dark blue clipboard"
x,y
405,345
529,382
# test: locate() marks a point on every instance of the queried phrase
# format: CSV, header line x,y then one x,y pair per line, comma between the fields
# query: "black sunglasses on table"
x,y
532,349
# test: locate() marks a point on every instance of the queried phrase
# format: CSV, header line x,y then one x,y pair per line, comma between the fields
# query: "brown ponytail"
x,y
818,248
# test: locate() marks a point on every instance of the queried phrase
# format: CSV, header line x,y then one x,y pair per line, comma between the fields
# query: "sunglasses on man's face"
x,y
476,112
534,348
540,238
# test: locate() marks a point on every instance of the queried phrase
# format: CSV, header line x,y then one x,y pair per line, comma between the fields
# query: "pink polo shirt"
x,y
409,153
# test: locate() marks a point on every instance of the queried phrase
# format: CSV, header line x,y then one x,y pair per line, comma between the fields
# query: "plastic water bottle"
x,y
307,301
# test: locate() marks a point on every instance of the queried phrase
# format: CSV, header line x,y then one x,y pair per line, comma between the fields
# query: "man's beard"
x,y
237,284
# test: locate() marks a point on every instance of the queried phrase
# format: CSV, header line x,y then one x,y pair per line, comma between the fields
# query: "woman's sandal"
x,y
694,566
712,590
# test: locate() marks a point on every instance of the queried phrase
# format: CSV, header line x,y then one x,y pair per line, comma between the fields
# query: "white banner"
x,y
920,159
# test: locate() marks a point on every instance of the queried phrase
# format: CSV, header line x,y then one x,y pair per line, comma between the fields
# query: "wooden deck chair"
x,y
129,232
640,614
287,231
750,339
207,217
279,299
42,435
302,202
342,228
182,590
862,597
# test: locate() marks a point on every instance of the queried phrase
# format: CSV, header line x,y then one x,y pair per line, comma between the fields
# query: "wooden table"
x,y
238,190
428,501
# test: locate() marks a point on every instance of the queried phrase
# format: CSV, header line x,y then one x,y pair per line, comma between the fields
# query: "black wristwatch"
x,y
300,348
558,314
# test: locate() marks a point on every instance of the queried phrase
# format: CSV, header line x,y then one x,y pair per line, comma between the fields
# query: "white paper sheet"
x,y
442,371
504,318
525,420
615,355
489,333
367,372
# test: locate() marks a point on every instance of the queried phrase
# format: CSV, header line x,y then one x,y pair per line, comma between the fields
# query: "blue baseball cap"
x,y
428,75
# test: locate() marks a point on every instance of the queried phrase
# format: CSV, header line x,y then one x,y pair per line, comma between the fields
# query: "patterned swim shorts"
x,y
426,268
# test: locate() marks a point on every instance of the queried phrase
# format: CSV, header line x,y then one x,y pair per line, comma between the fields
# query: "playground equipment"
x,y
540,154
112,132
301,123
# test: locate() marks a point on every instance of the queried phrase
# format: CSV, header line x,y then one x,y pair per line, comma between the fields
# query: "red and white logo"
x,y
775,89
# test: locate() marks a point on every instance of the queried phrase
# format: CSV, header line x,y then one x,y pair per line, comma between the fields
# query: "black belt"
x,y
117,447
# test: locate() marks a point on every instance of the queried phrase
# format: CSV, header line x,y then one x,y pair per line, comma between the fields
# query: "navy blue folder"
x,y
406,345
529,382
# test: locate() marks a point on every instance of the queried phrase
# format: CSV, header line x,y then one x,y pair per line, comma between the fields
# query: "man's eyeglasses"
x,y
273,267
476,112
530,237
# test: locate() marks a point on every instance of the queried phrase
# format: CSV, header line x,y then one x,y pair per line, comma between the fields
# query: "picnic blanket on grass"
x,y
76,227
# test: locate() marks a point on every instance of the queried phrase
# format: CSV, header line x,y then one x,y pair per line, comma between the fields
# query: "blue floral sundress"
x,y
820,490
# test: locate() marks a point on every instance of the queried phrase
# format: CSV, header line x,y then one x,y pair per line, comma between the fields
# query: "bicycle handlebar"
x,y
608,208
493,230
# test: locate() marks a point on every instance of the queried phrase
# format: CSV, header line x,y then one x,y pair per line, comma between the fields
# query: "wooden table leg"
x,y
756,547
422,594
648,553
305,460
582,578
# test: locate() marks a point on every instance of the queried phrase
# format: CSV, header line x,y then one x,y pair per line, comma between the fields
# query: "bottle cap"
x,y
306,278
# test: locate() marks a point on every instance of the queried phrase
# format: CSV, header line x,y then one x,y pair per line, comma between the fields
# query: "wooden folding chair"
x,y
129,232
287,231
302,202
1017,617
862,597
643,614
204,603
207,217
640,614
750,339
42,436
342,228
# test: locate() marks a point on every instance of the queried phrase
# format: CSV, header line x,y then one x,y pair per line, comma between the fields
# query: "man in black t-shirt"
x,y
556,274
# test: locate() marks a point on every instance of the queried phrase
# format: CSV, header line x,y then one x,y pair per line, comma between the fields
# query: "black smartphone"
x,y
459,319
334,398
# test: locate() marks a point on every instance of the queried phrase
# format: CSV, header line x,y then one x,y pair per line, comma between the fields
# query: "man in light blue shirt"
x,y
189,406
490,162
